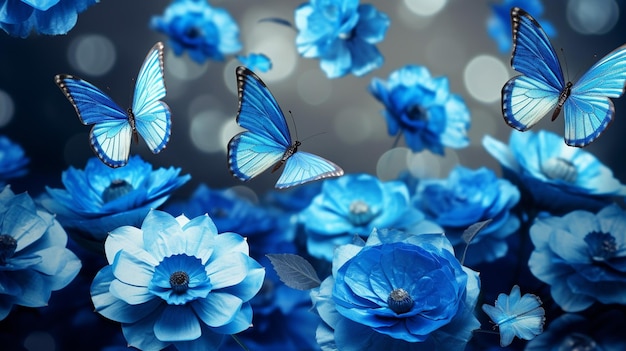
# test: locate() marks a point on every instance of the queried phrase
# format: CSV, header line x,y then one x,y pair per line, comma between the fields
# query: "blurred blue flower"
x,y
467,197
570,331
553,176
397,292
177,282
52,17
355,204
422,108
582,256
499,23
342,34
33,258
256,62
12,160
205,32
100,198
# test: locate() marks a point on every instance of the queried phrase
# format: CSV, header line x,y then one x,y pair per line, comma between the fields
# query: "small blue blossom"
x,y
342,34
256,62
355,204
499,23
205,32
52,17
176,281
100,198
467,197
423,109
33,258
582,256
397,292
553,176
12,160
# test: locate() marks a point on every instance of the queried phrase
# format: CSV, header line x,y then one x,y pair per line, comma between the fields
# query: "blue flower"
x,y
99,198
553,176
499,23
342,34
397,292
256,62
422,108
467,197
582,256
21,17
205,32
177,282
355,204
33,258
12,160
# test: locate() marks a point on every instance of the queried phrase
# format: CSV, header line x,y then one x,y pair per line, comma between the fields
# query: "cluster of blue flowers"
x,y
410,263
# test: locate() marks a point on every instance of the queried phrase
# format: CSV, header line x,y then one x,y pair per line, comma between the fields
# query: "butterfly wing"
x,y
589,111
152,116
111,135
250,154
530,96
303,167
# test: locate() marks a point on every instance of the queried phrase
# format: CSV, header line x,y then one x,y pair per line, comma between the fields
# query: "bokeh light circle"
x,y
314,87
182,67
592,16
484,77
39,341
425,7
392,163
92,54
229,129
7,108
205,129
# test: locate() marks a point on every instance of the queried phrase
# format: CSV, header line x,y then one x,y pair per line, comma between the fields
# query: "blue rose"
x,y
21,17
99,198
12,160
205,32
342,34
553,176
176,281
423,109
355,204
582,257
397,292
33,258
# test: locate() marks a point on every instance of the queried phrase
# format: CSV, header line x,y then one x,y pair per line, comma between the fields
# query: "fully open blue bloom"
x,y
12,160
33,258
422,108
99,198
553,176
177,282
205,32
354,205
21,17
582,256
499,23
342,34
397,292
467,197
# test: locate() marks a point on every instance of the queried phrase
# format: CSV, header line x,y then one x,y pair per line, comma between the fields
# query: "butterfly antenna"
x,y
295,128
565,64
311,136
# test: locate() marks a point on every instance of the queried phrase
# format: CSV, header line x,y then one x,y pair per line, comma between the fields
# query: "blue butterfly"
x,y
113,128
268,142
541,88
516,315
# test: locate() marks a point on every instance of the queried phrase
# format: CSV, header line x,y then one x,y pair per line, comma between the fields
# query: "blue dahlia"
x,y
12,160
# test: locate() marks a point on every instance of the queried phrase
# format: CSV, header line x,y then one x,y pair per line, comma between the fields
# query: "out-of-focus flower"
x,y
499,23
52,17
467,197
33,258
177,282
100,198
12,160
256,62
398,292
553,176
582,256
342,34
423,109
205,32
354,205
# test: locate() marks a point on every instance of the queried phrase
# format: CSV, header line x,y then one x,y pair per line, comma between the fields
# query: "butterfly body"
x,y
267,141
541,87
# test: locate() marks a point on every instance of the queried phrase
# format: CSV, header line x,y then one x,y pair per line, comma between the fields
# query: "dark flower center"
x,y
400,301
360,213
8,244
578,342
193,32
179,281
417,113
117,189
557,168
602,246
